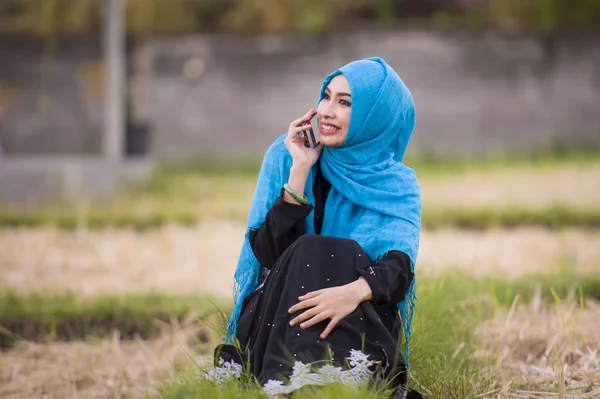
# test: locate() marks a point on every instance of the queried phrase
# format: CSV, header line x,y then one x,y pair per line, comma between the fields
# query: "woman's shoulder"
x,y
277,153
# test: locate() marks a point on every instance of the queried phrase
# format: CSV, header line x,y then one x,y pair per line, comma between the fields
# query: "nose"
x,y
325,110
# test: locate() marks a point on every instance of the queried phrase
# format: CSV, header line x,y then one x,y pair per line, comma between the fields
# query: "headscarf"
x,y
374,198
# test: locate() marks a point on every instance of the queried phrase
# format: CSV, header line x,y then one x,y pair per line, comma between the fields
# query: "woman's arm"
x,y
284,222
283,225
387,281
297,181
389,278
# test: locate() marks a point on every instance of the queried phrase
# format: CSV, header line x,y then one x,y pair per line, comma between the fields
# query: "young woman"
x,y
332,238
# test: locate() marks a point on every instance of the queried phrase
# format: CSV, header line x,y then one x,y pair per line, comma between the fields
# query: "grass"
x,y
446,348
190,386
449,309
40,316
554,216
549,191
425,163
43,317
554,156
64,219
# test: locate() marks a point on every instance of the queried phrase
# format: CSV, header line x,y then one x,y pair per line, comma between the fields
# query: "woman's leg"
x,y
313,263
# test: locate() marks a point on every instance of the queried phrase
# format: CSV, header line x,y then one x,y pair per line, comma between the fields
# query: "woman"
x,y
333,234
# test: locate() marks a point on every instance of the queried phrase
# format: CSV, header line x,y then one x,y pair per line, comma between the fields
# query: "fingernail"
x,y
302,325
291,323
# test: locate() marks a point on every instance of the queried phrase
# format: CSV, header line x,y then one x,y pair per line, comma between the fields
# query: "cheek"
x,y
345,120
320,107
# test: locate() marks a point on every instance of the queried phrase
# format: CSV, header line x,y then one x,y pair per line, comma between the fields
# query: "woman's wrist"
x,y
363,290
301,168
297,181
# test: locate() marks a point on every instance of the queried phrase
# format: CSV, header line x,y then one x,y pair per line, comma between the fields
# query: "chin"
x,y
332,141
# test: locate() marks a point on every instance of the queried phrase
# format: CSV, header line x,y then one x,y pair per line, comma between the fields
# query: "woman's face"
x,y
334,112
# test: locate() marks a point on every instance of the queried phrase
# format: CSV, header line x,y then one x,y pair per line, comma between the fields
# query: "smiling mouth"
x,y
328,129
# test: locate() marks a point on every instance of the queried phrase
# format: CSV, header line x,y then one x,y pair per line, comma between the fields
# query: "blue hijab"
x,y
376,197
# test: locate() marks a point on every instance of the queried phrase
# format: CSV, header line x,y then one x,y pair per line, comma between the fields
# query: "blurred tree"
x,y
49,17
73,17
543,16
171,16
304,16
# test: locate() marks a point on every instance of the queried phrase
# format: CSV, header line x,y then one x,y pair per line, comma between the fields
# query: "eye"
x,y
346,103
325,96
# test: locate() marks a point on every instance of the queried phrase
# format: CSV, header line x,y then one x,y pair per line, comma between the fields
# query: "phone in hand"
x,y
312,133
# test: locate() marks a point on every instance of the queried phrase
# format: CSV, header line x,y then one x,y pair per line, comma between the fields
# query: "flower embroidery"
x,y
302,374
226,371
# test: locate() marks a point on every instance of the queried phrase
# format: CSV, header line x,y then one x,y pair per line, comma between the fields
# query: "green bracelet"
x,y
303,200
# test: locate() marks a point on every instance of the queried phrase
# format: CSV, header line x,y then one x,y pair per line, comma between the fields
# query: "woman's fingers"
x,y
304,118
330,327
309,303
294,135
300,124
316,319
304,316
309,295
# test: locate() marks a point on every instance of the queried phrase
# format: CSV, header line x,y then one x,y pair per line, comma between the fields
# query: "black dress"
x,y
295,264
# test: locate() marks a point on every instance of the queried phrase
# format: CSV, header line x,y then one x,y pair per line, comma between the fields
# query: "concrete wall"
x,y
227,96
474,94
36,180
51,95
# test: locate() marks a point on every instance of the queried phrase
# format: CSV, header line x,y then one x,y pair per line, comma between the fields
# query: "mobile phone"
x,y
312,133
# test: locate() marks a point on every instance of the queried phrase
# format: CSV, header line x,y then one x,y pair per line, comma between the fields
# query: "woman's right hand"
x,y
302,155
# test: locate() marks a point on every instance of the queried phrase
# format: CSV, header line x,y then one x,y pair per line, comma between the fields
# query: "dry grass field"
x,y
535,348
539,347
203,258
100,368
526,187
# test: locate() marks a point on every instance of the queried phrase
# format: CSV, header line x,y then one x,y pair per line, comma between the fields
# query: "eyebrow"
x,y
340,93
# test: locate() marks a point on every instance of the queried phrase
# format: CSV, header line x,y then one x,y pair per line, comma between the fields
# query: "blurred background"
x,y
175,80
132,132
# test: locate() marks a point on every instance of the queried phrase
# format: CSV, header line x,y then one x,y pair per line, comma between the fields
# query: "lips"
x,y
328,129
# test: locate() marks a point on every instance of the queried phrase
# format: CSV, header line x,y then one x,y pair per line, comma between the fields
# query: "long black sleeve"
x,y
283,225
389,278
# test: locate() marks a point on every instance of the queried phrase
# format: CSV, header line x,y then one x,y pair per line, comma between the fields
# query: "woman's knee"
x,y
307,240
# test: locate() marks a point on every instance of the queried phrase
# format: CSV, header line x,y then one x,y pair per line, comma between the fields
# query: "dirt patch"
x,y
171,259
510,252
536,348
108,368
571,185
202,259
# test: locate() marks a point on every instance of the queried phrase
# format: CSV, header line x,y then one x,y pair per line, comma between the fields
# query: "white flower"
x,y
330,373
300,369
274,387
357,357
302,375
224,372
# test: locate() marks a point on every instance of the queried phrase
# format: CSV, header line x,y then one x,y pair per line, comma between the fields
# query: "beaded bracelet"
x,y
301,199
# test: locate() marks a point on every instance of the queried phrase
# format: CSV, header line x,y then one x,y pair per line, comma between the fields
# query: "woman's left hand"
x,y
333,303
